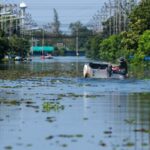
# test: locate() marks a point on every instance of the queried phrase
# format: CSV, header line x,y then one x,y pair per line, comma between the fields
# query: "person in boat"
x,y
122,68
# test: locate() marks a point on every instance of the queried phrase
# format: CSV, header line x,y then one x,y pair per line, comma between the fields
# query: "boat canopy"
x,y
98,66
42,48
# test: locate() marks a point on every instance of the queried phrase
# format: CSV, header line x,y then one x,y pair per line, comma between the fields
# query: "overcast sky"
x,y
68,10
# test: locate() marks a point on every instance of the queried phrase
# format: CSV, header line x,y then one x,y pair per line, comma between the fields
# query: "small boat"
x,y
101,70
48,56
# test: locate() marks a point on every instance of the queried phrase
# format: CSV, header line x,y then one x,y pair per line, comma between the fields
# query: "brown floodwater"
x,y
47,104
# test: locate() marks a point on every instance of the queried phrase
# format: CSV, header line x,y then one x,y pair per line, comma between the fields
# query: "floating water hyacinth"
x,y
49,106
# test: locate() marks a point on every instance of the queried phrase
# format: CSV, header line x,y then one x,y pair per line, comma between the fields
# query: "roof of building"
x,y
42,48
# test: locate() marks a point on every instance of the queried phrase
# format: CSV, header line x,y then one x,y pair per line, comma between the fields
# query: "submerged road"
x,y
65,111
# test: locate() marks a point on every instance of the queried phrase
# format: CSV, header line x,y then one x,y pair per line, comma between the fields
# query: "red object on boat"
x,y
42,57
115,68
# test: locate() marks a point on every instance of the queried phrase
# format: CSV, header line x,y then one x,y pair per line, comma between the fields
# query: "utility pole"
x,y
116,12
119,16
110,17
109,6
104,13
77,42
43,42
116,15
99,21
114,19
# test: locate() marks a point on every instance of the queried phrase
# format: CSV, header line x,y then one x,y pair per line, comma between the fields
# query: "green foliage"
x,y
55,26
110,48
132,42
74,27
93,46
19,46
59,51
13,45
4,47
80,31
143,47
129,43
144,43
49,106
140,17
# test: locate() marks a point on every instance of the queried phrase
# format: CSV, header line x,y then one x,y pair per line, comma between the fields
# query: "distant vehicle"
x,y
6,57
9,57
27,59
18,58
101,70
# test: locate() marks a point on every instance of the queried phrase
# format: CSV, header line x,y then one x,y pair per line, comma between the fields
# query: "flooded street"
x,y
47,104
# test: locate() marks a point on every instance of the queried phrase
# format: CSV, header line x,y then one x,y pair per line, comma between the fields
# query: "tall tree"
x,y
93,46
139,22
55,25
74,27
80,31
4,46
19,46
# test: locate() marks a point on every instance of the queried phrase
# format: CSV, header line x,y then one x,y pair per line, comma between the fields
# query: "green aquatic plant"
x,y
129,144
130,121
144,144
10,102
107,132
49,106
71,135
6,87
142,130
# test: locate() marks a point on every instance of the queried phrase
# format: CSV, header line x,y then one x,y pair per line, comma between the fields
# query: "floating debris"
x,y
29,145
101,143
1,119
142,130
8,147
64,145
107,132
50,119
49,137
144,144
85,118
